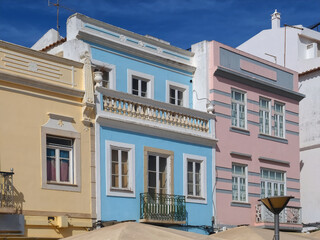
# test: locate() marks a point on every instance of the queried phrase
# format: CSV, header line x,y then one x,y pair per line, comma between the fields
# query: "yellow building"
x,y
46,144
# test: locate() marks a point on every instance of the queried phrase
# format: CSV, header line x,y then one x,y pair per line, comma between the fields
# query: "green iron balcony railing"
x,y
6,190
162,208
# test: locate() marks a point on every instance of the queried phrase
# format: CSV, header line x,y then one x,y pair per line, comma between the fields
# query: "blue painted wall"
x,y
161,73
123,208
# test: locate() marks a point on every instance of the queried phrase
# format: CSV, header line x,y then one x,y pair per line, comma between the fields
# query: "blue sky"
x,y
180,22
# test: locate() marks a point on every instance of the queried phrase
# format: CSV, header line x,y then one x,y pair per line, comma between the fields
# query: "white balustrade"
x,y
160,115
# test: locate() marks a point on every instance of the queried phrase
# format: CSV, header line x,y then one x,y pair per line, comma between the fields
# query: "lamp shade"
x,y
276,204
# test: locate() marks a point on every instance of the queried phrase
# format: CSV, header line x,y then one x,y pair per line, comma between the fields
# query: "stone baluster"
x,y
119,108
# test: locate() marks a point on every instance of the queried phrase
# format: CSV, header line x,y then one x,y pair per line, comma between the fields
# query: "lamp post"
x,y
276,205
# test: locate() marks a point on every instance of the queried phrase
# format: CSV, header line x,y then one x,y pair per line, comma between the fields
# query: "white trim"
x,y
238,111
182,87
112,71
264,116
97,163
283,114
143,76
239,176
203,169
130,192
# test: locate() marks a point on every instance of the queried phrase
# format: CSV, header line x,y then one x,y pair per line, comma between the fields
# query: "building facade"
x,y
154,153
257,156
46,145
297,47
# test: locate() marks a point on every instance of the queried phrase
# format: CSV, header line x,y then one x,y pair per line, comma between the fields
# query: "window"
x,y
108,73
238,109
158,176
177,93
59,159
264,116
272,183
279,120
239,183
61,155
140,84
139,87
120,171
176,96
195,178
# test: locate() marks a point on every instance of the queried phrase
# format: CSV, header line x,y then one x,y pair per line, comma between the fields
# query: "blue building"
x,y
154,153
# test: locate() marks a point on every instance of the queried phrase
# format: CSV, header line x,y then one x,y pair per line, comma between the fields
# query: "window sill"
x,y
62,184
272,138
240,204
240,130
120,192
194,199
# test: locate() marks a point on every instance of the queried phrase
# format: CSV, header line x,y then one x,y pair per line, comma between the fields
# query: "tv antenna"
x,y
57,4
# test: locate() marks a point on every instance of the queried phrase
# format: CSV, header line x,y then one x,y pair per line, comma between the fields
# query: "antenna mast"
x,y
58,7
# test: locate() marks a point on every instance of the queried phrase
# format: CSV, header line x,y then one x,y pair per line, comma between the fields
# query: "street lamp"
x,y
276,205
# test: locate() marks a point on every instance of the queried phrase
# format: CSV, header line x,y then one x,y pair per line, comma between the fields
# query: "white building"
x,y
298,48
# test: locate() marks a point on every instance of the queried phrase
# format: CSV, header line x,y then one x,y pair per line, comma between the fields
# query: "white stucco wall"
x,y
310,179
200,79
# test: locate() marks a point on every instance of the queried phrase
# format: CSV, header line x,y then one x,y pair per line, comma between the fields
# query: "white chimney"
x,y
275,20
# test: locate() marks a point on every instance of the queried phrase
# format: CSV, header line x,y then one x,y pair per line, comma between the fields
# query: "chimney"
x,y
275,20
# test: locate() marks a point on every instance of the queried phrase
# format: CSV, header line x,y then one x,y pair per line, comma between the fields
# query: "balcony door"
x,y
158,178
158,171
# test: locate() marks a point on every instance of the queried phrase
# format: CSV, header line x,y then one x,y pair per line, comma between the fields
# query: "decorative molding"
x,y
242,155
36,67
256,83
240,204
240,130
272,138
272,160
45,86
163,57
38,54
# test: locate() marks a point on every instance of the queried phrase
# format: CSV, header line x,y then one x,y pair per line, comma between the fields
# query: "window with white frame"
x,y
239,183
176,96
272,183
264,116
61,154
177,93
59,159
279,128
195,178
139,87
120,169
238,109
140,84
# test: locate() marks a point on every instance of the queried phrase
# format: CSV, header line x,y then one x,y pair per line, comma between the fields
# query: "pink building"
x,y
257,155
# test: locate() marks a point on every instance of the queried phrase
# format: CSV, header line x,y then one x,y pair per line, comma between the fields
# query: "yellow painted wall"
x,y
23,110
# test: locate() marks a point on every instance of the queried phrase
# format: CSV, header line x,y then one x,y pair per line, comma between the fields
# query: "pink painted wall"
x,y
231,141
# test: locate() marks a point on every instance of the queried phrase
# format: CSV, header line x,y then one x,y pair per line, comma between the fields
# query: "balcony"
x,y
167,119
290,215
7,204
162,208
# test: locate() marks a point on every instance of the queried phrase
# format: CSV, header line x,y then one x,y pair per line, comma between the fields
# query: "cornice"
x,y
38,54
41,85
92,37
122,31
260,84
